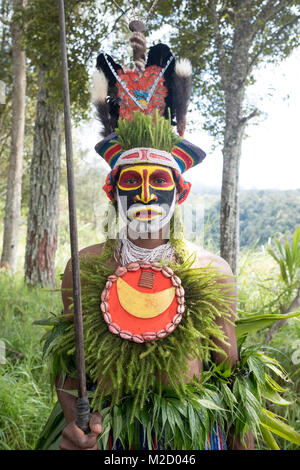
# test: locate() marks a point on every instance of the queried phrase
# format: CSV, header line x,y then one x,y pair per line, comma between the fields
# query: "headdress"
x,y
137,107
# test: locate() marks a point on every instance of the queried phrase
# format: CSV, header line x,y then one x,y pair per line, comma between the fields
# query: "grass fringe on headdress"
x,y
144,131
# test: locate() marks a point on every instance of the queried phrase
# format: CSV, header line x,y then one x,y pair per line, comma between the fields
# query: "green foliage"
x,y
264,214
143,131
251,383
179,422
51,434
272,294
86,28
231,399
288,258
5,108
262,290
249,324
286,350
25,392
5,12
26,399
177,238
129,366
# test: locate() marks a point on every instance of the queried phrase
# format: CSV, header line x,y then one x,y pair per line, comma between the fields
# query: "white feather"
x,y
99,87
183,68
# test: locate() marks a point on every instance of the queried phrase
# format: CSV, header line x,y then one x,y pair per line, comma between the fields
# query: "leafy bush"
x,y
25,394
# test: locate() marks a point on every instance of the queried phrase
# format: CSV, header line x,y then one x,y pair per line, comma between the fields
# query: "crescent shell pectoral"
x,y
141,304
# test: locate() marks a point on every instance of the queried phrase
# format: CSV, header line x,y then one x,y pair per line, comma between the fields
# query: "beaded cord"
x,y
152,90
127,252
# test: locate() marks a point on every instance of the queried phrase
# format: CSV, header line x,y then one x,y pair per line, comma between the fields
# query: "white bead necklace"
x,y
127,252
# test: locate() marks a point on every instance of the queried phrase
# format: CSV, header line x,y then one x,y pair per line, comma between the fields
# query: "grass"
x,y
25,395
258,287
286,344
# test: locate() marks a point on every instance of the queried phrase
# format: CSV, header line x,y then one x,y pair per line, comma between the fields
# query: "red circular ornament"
x,y
142,301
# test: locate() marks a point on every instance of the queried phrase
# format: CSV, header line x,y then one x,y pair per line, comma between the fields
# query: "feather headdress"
x,y
165,84
159,86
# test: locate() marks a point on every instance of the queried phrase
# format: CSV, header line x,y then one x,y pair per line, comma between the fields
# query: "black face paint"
x,y
146,194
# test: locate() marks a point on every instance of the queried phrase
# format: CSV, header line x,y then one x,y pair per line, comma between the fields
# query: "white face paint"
x,y
145,219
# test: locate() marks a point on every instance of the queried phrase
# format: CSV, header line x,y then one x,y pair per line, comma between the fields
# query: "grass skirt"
x,y
51,436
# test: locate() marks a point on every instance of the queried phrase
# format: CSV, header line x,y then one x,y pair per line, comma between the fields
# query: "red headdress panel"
x,y
159,84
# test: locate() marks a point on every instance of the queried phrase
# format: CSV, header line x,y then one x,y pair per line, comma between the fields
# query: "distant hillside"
x,y
263,214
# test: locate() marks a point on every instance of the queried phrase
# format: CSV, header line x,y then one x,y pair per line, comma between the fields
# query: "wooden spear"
x,y
83,407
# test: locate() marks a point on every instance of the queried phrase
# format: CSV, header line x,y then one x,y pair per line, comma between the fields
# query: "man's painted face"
x,y
146,196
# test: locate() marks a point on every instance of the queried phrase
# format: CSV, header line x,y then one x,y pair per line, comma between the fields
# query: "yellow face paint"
x,y
147,181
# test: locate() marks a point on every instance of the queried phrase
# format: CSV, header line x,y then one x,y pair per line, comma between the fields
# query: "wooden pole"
x,y
83,408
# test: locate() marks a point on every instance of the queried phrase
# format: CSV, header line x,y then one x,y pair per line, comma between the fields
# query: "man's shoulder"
x,y
94,250
206,258
67,281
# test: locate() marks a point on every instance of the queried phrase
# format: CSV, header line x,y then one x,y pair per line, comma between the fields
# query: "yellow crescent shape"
x,y
143,305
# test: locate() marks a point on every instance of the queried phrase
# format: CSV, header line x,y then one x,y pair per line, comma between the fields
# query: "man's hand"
x,y
73,438
235,443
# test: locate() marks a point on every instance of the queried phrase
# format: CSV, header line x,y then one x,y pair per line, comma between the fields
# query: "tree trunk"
x,y
229,217
44,191
234,89
14,180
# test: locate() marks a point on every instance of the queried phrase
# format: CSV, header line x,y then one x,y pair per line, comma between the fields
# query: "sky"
x,y
271,151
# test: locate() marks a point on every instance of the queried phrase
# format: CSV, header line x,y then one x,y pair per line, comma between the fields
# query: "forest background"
x,y
269,243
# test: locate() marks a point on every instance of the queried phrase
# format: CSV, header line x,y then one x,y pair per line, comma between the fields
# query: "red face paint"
x,y
147,179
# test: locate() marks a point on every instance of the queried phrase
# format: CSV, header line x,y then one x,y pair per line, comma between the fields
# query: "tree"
x,y
84,32
226,41
44,194
5,100
14,180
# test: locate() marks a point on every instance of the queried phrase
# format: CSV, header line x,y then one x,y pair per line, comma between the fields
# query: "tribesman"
x,y
162,362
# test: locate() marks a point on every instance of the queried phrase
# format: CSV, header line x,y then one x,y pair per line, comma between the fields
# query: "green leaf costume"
x,y
180,415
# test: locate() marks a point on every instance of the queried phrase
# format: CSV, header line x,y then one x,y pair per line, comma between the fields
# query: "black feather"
x,y
159,55
102,64
103,114
182,87
108,112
